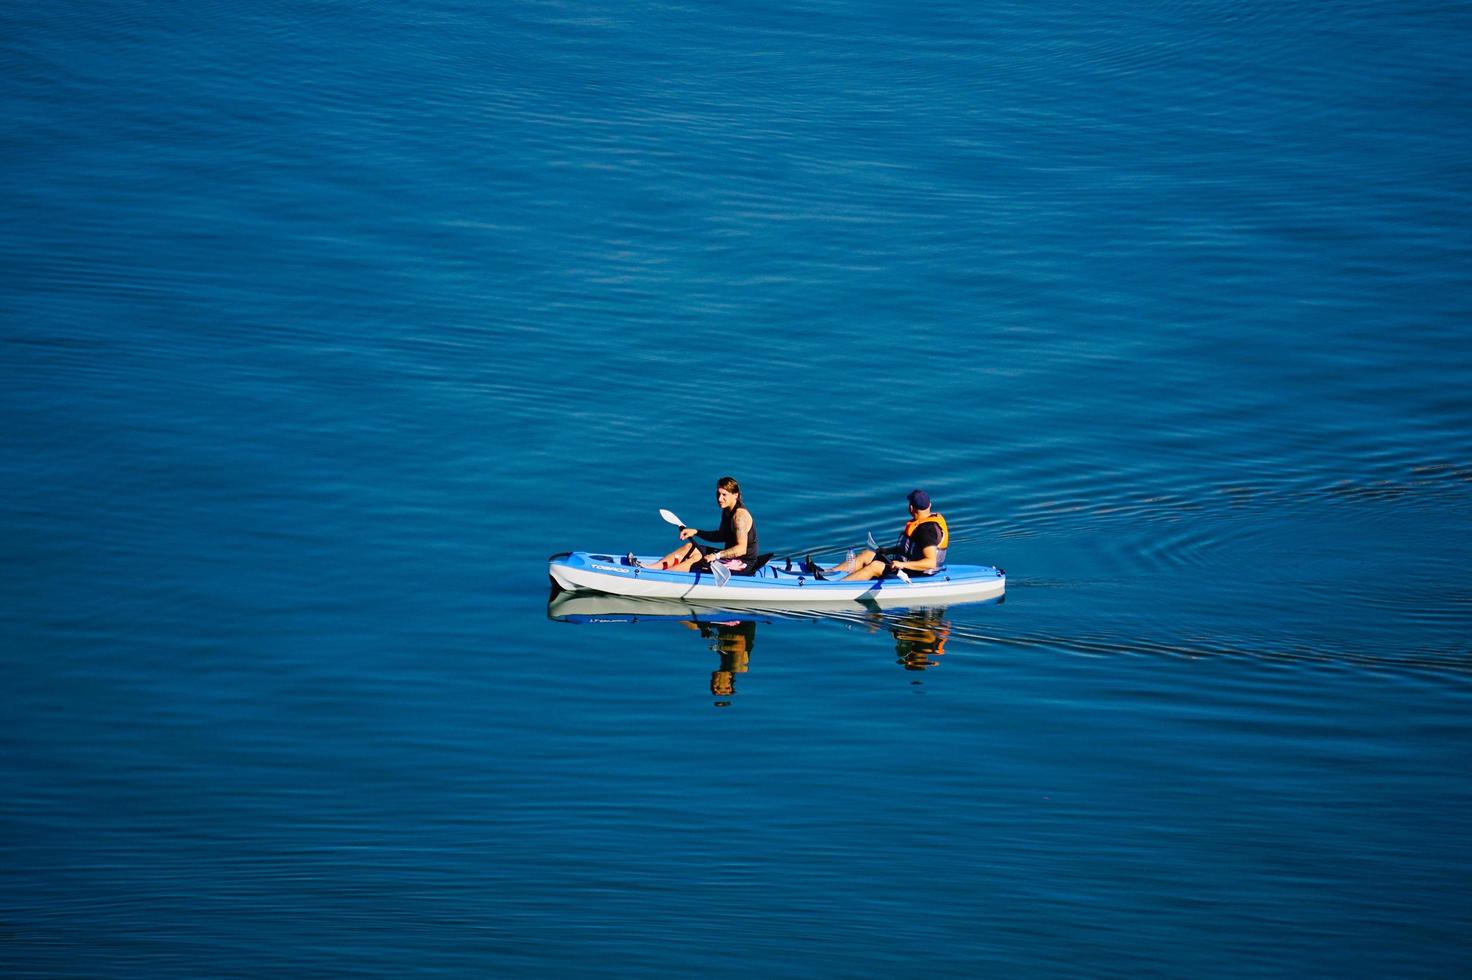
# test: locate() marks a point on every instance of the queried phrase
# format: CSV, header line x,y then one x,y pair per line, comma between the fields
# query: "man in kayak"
x,y
736,536
921,549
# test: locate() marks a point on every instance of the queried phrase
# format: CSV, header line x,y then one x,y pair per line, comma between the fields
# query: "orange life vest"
x,y
907,539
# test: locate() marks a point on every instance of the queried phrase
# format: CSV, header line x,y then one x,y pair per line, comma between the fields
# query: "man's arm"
x,y
922,564
929,549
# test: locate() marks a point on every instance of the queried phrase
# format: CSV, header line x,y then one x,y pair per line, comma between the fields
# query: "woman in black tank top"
x,y
736,542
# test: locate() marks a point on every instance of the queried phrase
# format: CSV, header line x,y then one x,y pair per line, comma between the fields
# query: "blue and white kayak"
x,y
582,571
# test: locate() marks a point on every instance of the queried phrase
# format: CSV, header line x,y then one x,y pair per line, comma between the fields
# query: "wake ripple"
x,y
1455,661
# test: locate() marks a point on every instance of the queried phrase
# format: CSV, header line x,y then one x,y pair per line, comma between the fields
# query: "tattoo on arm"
x,y
743,528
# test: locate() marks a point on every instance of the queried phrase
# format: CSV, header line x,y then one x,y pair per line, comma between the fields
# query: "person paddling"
x,y
921,549
736,537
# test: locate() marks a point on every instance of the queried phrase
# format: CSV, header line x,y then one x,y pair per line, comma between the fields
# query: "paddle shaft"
x,y
721,573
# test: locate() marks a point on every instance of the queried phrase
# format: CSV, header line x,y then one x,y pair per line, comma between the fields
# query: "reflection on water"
x,y
734,640
920,634
919,637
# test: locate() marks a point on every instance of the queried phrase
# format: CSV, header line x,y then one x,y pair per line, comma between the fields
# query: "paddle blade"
x,y
900,573
873,545
671,518
721,572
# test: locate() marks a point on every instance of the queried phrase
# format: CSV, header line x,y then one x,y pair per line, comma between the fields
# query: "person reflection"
x,y
734,641
919,637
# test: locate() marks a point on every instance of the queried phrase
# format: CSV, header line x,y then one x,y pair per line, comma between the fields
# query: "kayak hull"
x,y
582,571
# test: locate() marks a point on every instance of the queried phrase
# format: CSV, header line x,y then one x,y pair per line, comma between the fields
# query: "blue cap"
x,y
919,499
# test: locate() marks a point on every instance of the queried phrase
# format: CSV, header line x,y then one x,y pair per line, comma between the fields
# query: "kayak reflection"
x,y
920,634
731,635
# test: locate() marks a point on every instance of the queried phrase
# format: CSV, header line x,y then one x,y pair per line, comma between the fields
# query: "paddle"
x,y
899,572
721,572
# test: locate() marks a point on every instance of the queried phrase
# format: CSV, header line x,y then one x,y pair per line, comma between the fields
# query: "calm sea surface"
x,y
323,324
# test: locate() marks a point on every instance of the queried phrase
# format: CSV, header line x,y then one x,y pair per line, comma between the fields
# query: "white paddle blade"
x,y
900,572
671,518
721,572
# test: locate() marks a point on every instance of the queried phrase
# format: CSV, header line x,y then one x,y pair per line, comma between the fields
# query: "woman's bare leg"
x,y
680,559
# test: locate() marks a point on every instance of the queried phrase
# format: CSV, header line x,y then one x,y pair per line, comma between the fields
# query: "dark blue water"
x,y
322,325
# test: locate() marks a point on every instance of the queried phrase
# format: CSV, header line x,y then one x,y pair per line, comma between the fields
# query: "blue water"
x,y
322,325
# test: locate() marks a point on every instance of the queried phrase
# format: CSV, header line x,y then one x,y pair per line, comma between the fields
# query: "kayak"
x,y
582,571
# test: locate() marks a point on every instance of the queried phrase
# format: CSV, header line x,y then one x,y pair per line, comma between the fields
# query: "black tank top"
x,y
728,534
